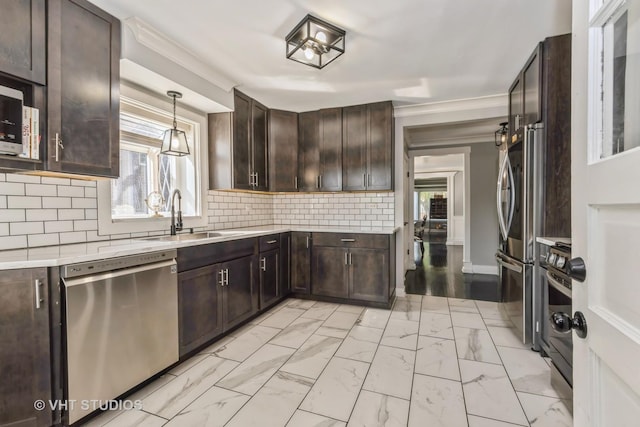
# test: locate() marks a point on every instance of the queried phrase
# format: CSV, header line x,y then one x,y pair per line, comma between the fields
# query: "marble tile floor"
x,y
431,361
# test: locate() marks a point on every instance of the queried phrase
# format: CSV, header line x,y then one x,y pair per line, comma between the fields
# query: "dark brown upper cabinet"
x,y
83,95
320,151
283,150
367,143
238,146
23,42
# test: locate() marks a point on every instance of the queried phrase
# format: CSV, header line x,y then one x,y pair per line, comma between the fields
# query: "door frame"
x,y
409,190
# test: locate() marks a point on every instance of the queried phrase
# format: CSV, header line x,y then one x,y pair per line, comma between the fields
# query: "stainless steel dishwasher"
x,y
121,323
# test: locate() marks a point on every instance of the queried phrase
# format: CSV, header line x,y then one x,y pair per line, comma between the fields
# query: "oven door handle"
x,y
509,266
557,285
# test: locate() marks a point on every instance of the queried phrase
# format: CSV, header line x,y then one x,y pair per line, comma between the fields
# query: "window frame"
x,y
136,96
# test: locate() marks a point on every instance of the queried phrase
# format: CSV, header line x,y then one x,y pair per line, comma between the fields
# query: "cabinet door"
x,y
354,148
199,307
240,295
331,149
308,151
285,265
24,348
329,272
22,46
380,153
242,142
269,278
83,89
300,262
516,110
283,150
369,274
532,107
259,145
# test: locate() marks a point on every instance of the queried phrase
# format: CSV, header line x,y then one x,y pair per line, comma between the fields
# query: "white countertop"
x,y
51,256
551,241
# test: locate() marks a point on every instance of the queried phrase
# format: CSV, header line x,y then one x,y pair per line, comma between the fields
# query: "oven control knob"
x,y
563,323
552,259
561,262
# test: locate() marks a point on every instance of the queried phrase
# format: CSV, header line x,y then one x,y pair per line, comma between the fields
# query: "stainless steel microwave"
x,y
11,101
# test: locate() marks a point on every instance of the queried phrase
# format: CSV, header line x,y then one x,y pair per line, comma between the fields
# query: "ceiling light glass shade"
x,y
315,42
174,141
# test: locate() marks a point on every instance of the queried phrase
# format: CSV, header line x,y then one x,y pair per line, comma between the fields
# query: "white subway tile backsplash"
x,y
4,229
91,214
90,192
3,202
82,202
69,191
16,228
12,188
41,214
58,226
12,215
67,214
84,225
13,242
40,190
56,181
73,237
83,183
56,202
23,178
43,239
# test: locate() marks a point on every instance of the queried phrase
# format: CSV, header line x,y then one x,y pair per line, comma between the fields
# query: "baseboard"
x,y
479,269
455,242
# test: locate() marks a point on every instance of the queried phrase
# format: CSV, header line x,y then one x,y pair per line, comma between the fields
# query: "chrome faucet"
x,y
176,225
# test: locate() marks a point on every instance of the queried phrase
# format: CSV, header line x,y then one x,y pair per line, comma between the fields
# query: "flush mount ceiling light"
x,y
174,141
315,42
501,134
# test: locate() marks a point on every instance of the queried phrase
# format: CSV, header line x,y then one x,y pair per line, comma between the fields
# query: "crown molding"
x,y
492,102
151,38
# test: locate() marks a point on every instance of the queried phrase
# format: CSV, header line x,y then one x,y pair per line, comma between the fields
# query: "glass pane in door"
x,y
620,82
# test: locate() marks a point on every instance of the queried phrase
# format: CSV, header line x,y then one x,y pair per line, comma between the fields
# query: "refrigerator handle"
x,y
512,194
501,175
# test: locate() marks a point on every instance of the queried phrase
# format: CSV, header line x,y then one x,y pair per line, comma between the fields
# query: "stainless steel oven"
x,y
555,334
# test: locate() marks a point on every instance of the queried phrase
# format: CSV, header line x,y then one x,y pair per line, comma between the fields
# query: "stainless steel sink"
x,y
186,237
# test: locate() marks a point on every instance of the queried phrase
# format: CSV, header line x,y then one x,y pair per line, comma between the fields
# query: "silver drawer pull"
x,y
346,258
38,299
271,242
347,240
263,264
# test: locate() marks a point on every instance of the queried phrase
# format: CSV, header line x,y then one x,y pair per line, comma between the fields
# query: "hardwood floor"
x,y
439,273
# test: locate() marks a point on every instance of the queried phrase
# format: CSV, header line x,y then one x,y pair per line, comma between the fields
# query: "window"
x,y
143,170
616,62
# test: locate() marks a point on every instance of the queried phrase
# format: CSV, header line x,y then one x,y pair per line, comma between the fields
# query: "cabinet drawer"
x,y
351,240
200,255
269,242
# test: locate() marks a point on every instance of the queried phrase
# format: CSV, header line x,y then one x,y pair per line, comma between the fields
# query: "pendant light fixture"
x,y
315,42
501,134
174,141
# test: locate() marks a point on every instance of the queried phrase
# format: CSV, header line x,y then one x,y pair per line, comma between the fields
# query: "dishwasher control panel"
x,y
113,264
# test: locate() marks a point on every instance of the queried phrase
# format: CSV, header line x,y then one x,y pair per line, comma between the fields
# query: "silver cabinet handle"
x,y
257,180
250,180
318,181
263,264
295,182
350,258
307,242
39,300
271,242
226,275
320,186
59,146
221,273
346,258
365,180
347,240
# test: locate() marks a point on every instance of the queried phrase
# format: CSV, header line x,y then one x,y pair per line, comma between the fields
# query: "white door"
x,y
606,210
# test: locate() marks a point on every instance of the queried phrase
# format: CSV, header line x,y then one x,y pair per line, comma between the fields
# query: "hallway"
x,y
439,273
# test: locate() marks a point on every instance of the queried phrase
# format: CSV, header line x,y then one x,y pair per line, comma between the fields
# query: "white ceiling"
x,y
407,51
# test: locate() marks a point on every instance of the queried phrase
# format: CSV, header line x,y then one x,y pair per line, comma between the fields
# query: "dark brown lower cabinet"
x,y
354,267
239,298
369,274
199,307
269,278
329,270
25,365
300,262
285,264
